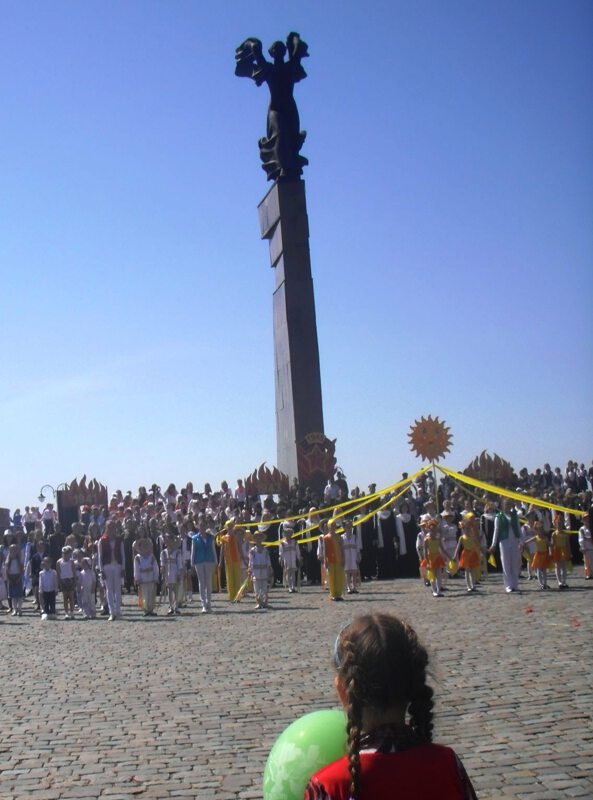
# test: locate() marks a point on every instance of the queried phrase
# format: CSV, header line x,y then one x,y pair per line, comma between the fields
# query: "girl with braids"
x,y
381,681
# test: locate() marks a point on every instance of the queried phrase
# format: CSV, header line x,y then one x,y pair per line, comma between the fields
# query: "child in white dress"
x,y
146,575
351,556
86,589
260,567
171,566
290,556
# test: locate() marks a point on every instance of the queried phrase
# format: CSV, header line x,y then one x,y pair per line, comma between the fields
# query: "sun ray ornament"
x,y
430,438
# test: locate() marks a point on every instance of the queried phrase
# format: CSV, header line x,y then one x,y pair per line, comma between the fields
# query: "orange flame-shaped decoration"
x,y
267,481
490,468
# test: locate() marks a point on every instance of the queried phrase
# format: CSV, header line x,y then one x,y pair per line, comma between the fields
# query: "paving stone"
x,y
161,709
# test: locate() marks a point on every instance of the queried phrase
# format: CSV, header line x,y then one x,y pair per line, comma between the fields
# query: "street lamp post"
x,y
41,497
59,487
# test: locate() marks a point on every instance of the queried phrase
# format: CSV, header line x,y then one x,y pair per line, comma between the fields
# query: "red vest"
x,y
425,772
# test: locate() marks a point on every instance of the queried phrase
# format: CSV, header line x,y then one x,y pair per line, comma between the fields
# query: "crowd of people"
x,y
166,546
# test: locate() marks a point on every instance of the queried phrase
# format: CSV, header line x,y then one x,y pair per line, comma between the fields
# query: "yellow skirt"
x,y
558,554
540,561
470,559
335,577
233,579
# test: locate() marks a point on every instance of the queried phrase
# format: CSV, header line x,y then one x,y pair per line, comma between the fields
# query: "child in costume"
x,y
334,561
171,566
86,589
48,589
146,575
560,551
290,556
528,543
541,557
66,570
586,545
351,556
469,547
322,527
425,519
434,557
381,682
14,577
449,536
260,568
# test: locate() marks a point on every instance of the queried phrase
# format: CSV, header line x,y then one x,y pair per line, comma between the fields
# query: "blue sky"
x,y
450,200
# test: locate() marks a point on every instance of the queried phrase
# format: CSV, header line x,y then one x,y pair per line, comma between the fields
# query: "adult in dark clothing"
x,y
387,549
130,536
487,522
368,538
270,531
40,551
79,531
309,560
342,486
407,530
573,522
56,541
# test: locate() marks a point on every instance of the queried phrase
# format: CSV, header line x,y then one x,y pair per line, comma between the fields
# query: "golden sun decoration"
x,y
430,438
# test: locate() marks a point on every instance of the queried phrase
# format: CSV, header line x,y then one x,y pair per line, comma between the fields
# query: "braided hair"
x,y
382,665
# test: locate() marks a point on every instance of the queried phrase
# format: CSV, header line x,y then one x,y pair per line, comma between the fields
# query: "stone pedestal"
x,y
299,411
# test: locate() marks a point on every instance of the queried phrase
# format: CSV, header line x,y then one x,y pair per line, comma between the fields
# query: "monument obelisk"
x,y
303,450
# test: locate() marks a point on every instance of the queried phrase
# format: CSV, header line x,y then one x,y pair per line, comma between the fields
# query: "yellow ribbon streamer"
x,y
524,498
367,498
356,503
361,501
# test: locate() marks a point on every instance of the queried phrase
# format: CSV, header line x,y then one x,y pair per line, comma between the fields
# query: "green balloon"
x,y
309,743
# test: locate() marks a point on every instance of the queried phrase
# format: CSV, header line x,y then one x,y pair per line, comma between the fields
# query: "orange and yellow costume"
x,y
541,557
470,557
232,563
560,547
434,558
334,560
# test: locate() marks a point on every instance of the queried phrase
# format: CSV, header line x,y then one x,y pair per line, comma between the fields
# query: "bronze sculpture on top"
x,y
280,149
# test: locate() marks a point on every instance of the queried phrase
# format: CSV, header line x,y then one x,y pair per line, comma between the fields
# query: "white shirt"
x,y
259,563
585,539
48,580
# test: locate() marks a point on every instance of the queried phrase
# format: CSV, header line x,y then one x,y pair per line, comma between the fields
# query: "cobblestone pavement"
x,y
189,707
